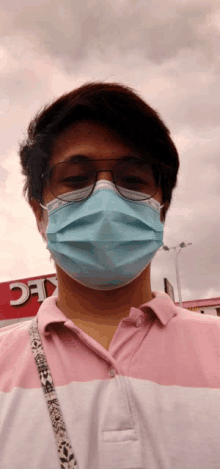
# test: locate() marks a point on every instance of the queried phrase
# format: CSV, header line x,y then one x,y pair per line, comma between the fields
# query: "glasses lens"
x,y
138,177
72,181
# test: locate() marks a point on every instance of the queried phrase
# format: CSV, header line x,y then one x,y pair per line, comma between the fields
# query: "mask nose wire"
x,y
45,208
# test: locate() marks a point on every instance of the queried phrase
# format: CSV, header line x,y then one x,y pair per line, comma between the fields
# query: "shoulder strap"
x,y
65,452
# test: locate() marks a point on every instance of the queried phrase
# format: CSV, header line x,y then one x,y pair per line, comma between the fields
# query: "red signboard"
x,y
22,298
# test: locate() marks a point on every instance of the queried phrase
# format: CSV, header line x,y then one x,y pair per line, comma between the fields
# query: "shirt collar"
x,y
48,314
162,305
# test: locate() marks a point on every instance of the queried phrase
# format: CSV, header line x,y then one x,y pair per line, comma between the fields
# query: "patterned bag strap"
x,y
65,452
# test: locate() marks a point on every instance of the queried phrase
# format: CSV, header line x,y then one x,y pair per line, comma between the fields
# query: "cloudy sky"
x,y
169,53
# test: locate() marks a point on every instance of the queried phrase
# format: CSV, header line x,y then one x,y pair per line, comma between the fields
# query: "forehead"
x,y
91,139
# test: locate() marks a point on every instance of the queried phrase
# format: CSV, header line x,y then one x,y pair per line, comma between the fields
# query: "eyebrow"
x,y
72,158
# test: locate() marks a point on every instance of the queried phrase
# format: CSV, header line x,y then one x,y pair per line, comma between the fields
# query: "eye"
x,y
75,179
133,180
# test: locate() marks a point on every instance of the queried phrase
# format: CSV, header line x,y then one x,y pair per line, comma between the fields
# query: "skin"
x,y
96,312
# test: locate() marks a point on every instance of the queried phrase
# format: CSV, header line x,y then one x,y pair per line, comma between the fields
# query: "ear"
x,y
38,212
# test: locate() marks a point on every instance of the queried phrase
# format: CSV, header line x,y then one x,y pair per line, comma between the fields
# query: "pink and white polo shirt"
x,y
151,401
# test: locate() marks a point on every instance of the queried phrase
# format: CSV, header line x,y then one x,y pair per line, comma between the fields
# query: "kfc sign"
x,y
22,298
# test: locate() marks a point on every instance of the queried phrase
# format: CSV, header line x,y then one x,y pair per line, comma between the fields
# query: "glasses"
x,y
75,181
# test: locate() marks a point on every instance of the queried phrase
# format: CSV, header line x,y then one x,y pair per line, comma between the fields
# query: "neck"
x,y
78,302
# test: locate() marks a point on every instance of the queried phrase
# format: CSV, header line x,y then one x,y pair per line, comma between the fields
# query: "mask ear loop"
x,y
45,208
161,206
42,231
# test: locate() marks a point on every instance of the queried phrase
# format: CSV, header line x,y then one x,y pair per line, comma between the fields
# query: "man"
x,y
109,374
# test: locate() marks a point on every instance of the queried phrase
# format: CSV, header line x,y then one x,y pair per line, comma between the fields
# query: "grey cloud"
x,y
194,218
198,110
180,35
198,263
74,30
3,176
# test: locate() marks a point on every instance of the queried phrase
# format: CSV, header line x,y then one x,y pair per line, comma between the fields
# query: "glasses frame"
x,y
47,172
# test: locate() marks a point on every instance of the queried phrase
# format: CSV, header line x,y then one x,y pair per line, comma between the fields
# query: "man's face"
x,y
94,141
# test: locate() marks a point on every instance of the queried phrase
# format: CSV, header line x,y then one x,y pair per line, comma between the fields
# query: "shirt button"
x,y
112,373
138,322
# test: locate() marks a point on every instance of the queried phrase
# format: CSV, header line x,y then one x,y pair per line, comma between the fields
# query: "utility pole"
x,y
182,245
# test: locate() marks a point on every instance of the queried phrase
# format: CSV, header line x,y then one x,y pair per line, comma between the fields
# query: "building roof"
x,y
197,303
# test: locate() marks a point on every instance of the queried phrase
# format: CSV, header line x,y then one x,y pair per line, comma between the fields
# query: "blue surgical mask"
x,y
105,241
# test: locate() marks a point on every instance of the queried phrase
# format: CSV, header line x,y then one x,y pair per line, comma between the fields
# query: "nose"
x,y
106,175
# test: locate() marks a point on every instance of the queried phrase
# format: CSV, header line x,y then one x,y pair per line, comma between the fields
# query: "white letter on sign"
x,y
40,288
53,280
24,296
